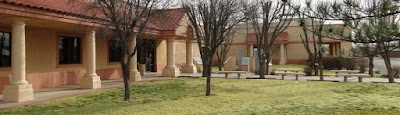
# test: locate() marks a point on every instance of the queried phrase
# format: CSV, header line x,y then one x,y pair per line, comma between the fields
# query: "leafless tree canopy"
x,y
128,20
212,21
357,10
373,24
268,19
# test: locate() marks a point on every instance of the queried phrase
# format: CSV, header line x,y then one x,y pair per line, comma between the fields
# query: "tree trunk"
x,y
207,73
313,66
321,72
321,67
126,77
262,69
221,63
267,67
371,66
389,68
316,60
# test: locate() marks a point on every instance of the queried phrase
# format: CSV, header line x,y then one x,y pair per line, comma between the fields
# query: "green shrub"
x,y
377,72
272,72
396,72
383,76
346,63
349,63
362,65
307,70
332,63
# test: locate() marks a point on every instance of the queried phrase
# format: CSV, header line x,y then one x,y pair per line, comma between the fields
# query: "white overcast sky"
x,y
301,2
294,1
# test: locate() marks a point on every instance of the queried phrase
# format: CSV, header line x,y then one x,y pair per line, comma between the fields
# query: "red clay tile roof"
x,y
167,20
58,6
283,37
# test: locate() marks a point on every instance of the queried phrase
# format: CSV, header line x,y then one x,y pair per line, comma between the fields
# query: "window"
x,y
5,49
69,50
114,53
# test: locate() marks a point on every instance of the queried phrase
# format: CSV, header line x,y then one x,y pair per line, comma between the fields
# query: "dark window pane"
x,y
69,50
114,52
5,49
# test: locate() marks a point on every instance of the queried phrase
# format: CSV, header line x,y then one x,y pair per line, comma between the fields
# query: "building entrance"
x,y
147,54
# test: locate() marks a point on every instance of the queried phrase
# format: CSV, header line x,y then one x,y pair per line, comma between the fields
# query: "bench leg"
x,y
226,75
297,77
360,79
336,74
345,78
238,75
283,76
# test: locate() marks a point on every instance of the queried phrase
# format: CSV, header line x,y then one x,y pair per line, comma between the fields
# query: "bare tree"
x,y
372,22
212,21
309,42
316,27
268,19
222,52
366,50
128,20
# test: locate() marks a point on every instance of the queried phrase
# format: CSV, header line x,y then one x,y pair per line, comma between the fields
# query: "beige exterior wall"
x,y
196,50
41,59
43,28
161,54
180,53
295,51
41,52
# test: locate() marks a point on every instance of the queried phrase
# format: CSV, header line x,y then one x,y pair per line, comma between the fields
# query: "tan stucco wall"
x,y
41,59
180,53
234,50
161,54
196,50
41,52
295,49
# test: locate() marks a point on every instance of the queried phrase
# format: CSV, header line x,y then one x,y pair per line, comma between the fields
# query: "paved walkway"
x,y
308,78
380,64
45,95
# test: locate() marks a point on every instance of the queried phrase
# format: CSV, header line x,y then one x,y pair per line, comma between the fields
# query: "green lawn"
x,y
232,96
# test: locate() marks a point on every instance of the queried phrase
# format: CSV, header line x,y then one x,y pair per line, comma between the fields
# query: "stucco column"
x,y
189,67
251,50
170,70
90,80
251,55
19,89
134,73
283,58
337,49
335,52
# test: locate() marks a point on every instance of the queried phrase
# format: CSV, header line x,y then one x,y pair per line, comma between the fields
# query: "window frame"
x,y
6,30
108,54
82,57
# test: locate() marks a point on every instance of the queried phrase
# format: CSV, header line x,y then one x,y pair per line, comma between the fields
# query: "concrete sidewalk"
x,y
307,78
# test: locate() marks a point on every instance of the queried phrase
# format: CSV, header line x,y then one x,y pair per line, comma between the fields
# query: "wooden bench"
x,y
349,73
344,71
233,72
290,72
360,76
